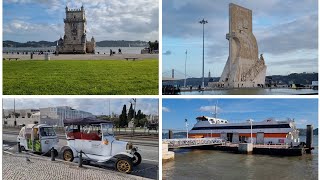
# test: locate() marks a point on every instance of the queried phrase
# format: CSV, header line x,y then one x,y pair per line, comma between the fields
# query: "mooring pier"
x,y
245,148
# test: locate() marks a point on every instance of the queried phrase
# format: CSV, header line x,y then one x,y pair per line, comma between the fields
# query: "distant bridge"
x,y
174,75
192,142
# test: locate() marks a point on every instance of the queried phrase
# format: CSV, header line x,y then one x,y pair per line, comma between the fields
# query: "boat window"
x,y
47,131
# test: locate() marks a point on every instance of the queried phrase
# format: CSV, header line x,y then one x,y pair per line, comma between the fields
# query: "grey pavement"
x,y
17,167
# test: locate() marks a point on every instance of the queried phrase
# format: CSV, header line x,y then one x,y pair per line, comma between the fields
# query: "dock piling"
x,y
170,134
309,139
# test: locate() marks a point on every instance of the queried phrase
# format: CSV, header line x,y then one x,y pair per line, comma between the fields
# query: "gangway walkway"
x,y
191,142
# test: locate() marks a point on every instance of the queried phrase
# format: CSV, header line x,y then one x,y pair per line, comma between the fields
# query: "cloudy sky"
x,y
175,111
95,106
286,31
35,20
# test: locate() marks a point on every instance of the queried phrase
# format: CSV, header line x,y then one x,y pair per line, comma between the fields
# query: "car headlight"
x,y
129,146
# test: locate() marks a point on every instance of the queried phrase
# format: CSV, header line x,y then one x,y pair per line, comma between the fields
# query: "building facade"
x,y
51,115
74,40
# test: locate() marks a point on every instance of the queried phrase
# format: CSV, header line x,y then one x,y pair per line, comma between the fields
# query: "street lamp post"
x,y
186,120
134,113
14,112
185,70
251,120
203,22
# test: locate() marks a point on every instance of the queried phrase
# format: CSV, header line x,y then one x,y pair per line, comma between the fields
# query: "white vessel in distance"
x,y
269,131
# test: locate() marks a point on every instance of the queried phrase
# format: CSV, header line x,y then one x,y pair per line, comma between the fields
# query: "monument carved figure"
x,y
243,68
74,40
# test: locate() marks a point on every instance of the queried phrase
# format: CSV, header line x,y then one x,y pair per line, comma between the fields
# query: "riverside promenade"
x,y
82,56
16,166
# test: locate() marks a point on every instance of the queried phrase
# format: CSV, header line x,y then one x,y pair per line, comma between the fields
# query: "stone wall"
x,y
91,46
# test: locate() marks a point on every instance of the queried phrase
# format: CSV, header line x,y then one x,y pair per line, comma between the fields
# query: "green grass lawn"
x,y
80,77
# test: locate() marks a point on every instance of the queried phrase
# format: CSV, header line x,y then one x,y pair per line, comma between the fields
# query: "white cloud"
x,y
301,121
165,109
106,20
211,109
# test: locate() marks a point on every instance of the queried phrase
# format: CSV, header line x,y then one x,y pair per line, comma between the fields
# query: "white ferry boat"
x,y
268,131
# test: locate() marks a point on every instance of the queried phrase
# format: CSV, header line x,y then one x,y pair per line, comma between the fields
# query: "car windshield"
x,y
107,129
47,131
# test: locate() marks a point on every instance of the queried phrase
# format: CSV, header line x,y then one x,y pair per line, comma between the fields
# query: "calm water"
x,y
252,92
101,50
210,164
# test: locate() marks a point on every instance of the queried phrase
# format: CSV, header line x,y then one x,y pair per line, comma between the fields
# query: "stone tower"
x,y
244,68
74,40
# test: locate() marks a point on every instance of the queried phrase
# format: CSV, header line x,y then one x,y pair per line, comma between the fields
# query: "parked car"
x,y
95,138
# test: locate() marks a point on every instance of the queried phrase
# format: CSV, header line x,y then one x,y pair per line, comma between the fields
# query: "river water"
x,y
212,164
101,50
252,91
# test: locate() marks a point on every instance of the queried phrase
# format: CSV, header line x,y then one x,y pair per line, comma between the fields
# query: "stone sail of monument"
x,y
243,68
74,40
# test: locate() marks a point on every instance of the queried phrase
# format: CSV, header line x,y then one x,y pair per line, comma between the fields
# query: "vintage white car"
x,y
96,140
38,138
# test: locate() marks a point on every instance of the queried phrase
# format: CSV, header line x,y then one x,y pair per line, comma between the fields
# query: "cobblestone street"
x,y
17,167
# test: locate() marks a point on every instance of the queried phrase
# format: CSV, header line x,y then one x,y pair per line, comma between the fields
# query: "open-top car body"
x,y
95,139
38,138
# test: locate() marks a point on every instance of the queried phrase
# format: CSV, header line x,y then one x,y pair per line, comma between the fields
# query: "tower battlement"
x,y
74,10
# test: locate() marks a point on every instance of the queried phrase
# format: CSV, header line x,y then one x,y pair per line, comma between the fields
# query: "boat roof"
x,y
84,121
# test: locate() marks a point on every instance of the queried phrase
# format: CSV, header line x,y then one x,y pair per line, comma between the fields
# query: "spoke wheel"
x,y
68,155
124,165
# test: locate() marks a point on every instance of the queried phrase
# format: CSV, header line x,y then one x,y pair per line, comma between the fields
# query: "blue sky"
x,y
286,32
175,111
35,20
95,106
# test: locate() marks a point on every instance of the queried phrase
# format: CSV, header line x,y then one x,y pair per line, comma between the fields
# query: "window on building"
x,y
74,38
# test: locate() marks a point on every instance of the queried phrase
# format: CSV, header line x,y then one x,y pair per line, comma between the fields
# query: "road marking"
x,y
140,149
150,160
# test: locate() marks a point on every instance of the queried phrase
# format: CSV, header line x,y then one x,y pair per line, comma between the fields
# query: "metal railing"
x,y
176,143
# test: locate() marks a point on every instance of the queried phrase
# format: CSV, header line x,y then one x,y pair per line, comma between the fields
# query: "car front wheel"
x,y
124,165
136,160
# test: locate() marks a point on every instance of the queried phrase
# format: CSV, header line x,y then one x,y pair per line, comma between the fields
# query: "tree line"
x,y
138,117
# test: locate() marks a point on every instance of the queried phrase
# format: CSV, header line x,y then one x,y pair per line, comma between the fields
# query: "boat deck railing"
x,y
190,142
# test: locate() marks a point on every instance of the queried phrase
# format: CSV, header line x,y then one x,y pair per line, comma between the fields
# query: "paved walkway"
x,y
17,167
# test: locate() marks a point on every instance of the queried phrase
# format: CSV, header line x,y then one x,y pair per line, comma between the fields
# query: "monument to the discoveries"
x,y
74,40
244,68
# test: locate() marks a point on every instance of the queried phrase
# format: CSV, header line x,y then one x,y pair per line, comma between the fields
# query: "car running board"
x,y
96,157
